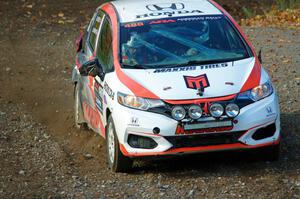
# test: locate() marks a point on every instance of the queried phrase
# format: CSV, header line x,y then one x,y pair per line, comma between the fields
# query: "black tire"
x,y
116,162
271,153
78,117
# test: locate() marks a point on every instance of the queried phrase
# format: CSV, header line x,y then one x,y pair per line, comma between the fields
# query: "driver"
x,y
200,36
131,51
202,33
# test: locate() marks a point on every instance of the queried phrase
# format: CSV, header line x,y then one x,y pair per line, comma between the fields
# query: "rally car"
x,y
167,77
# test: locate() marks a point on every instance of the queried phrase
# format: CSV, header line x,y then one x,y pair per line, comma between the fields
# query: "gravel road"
x,y
42,155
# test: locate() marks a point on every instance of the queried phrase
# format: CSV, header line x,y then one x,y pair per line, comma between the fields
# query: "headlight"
x,y
178,113
261,91
232,110
138,102
216,110
195,112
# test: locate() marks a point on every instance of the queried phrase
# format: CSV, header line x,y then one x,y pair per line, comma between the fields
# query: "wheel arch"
x,y
81,114
107,114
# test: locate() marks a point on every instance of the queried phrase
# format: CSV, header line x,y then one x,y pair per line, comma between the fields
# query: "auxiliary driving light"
x,y
195,112
232,110
141,142
216,110
178,113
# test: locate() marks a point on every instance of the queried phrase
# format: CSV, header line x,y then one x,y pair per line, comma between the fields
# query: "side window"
x,y
95,30
104,49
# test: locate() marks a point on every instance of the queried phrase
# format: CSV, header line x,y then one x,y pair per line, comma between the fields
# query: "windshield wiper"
x,y
136,66
192,62
199,62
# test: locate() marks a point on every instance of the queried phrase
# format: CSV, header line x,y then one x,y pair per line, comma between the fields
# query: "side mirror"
x,y
92,68
259,57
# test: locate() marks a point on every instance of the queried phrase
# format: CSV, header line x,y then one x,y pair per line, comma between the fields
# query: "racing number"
x,y
133,25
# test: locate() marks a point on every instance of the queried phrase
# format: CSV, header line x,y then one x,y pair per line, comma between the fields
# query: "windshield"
x,y
180,41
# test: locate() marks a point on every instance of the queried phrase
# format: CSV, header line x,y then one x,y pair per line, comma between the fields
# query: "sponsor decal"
x,y
165,6
201,18
181,130
207,125
109,91
167,88
168,13
171,20
229,83
134,121
99,97
163,21
167,9
270,111
190,68
198,83
133,25
177,69
104,99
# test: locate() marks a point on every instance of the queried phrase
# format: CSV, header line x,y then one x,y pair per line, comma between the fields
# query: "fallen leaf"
x,y
34,18
286,61
61,14
289,18
70,21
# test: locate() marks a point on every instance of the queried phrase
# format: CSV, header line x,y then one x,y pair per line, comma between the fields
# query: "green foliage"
x,y
247,12
287,4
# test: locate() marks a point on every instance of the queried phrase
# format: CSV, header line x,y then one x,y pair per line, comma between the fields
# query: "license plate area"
x,y
208,125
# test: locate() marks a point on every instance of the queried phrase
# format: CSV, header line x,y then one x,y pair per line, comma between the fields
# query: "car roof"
x,y
137,10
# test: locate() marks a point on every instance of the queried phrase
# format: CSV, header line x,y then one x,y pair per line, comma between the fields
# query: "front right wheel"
x,y
117,162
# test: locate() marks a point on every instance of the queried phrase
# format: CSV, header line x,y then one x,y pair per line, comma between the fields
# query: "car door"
x,y
94,105
87,83
104,55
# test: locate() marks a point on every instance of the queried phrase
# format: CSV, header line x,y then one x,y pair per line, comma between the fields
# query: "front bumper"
x,y
259,115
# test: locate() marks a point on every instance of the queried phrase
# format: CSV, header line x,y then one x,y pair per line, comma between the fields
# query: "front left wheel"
x,y
117,162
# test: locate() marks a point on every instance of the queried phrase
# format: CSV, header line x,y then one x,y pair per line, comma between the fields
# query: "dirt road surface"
x,y
42,155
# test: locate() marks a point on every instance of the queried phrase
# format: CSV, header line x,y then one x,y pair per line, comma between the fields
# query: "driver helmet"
x,y
134,41
202,33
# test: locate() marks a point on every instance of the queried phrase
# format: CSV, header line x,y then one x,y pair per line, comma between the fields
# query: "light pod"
x,y
178,113
216,110
195,112
232,110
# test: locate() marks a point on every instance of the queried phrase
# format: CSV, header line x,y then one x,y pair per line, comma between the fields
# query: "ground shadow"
x,y
237,161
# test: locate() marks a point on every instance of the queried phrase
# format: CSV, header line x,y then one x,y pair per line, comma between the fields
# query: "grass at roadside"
x,y
275,13
275,18
287,4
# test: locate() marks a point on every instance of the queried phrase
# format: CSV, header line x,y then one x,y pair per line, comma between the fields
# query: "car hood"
x,y
179,83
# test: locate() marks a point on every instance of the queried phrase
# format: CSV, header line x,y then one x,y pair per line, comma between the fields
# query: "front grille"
x,y
204,139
